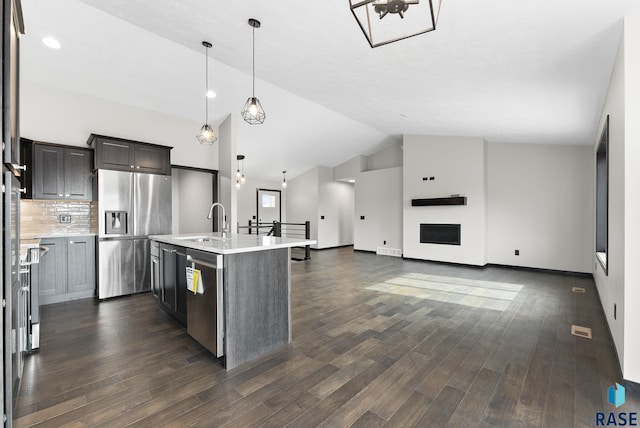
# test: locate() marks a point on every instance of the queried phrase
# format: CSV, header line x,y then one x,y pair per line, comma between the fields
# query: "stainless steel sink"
x,y
208,239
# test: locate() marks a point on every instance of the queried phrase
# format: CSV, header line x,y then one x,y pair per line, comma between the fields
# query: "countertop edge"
x,y
169,239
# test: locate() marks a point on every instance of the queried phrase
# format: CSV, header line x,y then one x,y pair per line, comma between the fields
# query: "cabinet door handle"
x,y
60,194
67,195
131,166
138,167
70,242
23,190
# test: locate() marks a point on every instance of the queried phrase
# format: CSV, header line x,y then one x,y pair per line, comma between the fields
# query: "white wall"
x,y
350,169
631,315
315,194
458,166
227,192
540,201
621,285
192,195
247,199
61,117
389,157
378,197
302,200
336,205
611,286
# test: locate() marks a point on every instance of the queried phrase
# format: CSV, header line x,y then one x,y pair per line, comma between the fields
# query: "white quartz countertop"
x,y
231,244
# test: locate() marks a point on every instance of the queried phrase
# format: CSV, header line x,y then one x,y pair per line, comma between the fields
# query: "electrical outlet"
x,y
384,242
361,217
431,178
321,217
517,252
65,218
615,311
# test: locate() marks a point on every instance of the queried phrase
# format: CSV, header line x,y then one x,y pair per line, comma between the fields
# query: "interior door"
x,y
269,207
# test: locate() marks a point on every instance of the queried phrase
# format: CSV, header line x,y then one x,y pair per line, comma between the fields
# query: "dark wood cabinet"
x,y
152,159
48,172
125,155
78,175
52,269
67,270
57,172
172,292
81,262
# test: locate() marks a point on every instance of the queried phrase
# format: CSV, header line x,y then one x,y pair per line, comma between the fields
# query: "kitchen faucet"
x,y
222,219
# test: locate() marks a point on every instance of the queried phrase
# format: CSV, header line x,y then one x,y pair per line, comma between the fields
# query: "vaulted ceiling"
x,y
508,71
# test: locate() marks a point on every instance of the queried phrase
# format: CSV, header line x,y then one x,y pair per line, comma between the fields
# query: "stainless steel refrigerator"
x,y
131,206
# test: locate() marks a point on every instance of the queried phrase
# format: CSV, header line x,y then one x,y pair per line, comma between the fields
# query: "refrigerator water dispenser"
x,y
115,222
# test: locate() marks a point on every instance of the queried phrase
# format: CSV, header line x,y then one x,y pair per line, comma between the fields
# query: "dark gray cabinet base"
x,y
257,304
67,271
172,291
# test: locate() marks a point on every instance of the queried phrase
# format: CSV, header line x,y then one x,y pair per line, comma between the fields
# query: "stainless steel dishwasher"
x,y
205,312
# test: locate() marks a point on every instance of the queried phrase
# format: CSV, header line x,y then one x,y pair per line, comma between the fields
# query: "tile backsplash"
x,y
42,218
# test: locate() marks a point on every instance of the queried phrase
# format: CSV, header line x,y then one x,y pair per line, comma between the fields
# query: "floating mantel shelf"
x,y
429,202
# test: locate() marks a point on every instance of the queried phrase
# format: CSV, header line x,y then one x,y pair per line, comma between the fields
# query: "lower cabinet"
x,y
67,271
172,291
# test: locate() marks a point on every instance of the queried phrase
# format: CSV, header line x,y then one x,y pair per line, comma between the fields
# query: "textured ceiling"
x,y
508,71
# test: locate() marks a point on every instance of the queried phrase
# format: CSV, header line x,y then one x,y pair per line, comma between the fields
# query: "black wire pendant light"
x,y
206,135
252,112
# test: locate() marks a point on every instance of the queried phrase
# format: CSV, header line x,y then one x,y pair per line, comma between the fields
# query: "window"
x,y
268,201
602,197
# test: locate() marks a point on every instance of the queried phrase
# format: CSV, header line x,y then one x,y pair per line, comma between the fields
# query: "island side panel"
x,y
257,295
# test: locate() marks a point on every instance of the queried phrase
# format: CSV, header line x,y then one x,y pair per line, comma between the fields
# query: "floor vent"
x,y
579,331
578,290
384,251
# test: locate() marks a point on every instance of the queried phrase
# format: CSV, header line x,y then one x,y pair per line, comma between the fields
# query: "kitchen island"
x,y
242,305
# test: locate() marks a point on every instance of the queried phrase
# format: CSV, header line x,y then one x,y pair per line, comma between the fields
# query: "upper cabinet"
x,y
57,172
12,27
126,155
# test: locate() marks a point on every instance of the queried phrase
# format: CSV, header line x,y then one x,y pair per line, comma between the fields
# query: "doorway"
x,y
268,205
193,192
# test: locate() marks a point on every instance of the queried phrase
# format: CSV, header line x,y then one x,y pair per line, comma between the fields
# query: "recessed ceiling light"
x,y
211,94
50,42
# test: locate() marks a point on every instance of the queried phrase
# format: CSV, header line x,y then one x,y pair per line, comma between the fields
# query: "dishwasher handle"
x,y
201,262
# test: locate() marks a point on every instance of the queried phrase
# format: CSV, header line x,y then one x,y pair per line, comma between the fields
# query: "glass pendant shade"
x,y
206,135
284,179
252,112
387,21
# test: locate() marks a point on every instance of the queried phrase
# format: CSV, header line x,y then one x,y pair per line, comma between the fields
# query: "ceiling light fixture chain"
x,y
252,112
206,135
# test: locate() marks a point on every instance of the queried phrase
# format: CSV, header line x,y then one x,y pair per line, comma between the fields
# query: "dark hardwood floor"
x,y
359,357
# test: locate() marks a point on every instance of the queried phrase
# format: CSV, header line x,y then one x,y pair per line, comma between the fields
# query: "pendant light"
x,y
240,176
252,112
284,179
206,135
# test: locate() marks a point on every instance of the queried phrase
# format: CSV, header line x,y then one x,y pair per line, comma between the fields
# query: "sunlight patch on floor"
x,y
461,291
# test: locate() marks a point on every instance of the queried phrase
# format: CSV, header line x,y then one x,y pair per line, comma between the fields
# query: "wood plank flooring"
x,y
359,358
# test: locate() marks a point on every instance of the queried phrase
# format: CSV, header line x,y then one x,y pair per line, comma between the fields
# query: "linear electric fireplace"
x,y
448,234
